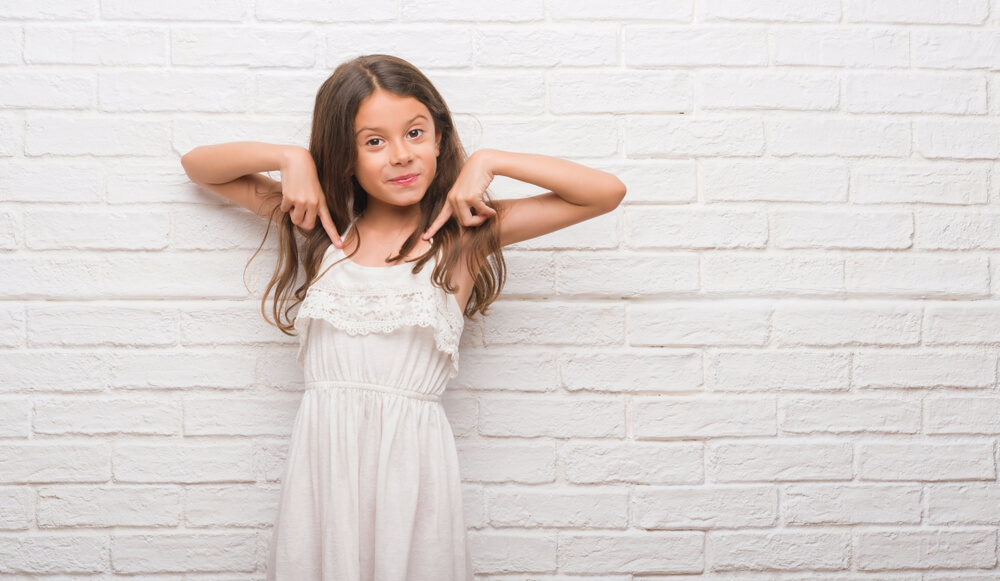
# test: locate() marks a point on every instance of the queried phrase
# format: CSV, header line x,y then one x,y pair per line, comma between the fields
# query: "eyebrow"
x,y
374,128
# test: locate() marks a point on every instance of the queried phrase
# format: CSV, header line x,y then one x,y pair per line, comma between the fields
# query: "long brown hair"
x,y
334,152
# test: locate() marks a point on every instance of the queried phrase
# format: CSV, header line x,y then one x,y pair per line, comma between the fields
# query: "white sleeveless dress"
x,y
371,489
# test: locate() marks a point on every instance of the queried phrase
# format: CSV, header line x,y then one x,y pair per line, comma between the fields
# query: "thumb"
x,y
484,210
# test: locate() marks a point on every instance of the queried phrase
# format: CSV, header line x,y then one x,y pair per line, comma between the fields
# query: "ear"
x,y
437,143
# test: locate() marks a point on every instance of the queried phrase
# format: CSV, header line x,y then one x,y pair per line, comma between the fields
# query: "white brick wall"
x,y
776,361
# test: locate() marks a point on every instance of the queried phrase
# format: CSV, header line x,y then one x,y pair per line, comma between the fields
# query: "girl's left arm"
x,y
576,193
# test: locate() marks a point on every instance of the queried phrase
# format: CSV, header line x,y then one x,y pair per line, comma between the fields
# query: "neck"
x,y
387,218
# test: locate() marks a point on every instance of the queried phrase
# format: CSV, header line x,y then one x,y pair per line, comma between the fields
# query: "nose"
x,y
401,153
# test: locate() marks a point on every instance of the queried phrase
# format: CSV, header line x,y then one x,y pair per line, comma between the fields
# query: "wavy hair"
x,y
334,152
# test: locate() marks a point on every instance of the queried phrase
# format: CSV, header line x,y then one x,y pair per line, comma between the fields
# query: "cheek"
x,y
366,168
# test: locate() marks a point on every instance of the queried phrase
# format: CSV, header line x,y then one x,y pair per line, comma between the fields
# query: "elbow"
x,y
616,195
186,161
189,162
620,192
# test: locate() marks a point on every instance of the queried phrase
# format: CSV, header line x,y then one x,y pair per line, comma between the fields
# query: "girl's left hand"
x,y
467,194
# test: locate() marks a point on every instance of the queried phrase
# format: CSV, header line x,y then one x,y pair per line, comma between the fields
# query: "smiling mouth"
x,y
405,180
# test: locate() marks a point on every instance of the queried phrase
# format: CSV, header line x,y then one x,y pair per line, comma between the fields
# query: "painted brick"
x,y
180,552
598,509
925,549
562,45
918,460
451,46
106,416
780,550
183,463
917,12
769,11
761,459
61,553
762,180
934,183
93,229
530,417
36,89
637,462
705,507
908,369
686,46
784,370
668,417
110,45
645,552
238,46
850,504
849,415
632,370
108,506
226,10
825,323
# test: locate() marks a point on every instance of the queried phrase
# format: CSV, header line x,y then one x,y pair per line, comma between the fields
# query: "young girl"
x,y
371,487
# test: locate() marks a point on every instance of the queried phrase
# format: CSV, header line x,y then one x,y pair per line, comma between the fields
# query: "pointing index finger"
x,y
330,227
441,219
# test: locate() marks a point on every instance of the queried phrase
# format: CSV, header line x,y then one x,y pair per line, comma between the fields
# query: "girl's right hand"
x,y
301,194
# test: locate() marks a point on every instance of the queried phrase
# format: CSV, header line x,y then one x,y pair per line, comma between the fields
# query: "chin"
x,y
416,197
404,201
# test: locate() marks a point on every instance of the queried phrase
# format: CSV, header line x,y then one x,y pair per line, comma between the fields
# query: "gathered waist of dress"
x,y
344,384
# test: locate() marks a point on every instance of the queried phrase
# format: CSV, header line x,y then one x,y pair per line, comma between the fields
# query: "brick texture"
x,y
776,360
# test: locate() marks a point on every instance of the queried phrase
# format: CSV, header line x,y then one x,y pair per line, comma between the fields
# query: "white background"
x,y
777,360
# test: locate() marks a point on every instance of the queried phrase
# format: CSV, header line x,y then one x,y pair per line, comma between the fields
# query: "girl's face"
x,y
397,148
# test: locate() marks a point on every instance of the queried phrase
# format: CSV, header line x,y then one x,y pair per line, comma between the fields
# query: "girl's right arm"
x,y
232,170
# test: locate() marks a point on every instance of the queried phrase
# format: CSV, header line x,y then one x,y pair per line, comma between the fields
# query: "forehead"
x,y
385,111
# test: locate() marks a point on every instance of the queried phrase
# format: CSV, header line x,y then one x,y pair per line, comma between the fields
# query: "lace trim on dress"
x,y
366,310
